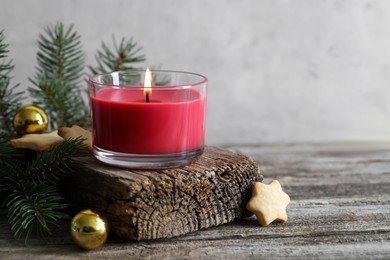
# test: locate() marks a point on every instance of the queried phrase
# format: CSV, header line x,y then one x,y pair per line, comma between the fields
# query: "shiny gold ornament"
x,y
30,119
88,229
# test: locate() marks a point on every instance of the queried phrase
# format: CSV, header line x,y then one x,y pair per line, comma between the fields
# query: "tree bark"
x,y
153,204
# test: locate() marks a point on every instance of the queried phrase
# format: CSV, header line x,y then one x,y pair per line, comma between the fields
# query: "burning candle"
x,y
137,124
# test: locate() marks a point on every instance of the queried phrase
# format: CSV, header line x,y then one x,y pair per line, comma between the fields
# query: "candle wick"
x,y
147,97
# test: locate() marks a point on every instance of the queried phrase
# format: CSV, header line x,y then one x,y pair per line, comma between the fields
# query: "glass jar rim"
x,y
202,79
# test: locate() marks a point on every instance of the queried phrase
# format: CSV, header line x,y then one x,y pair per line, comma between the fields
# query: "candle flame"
x,y
148,82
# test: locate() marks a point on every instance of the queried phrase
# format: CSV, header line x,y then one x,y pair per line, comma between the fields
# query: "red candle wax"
x,y
172,122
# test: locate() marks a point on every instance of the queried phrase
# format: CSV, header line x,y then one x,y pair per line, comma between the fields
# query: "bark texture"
x,y
144,205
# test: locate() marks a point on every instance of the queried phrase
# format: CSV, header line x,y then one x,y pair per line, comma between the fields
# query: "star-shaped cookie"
x,y
268,202
76,131
37,142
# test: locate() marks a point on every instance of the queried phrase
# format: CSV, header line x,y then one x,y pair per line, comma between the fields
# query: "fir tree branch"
x,y
10,175
121,58
52,165
32,200
5,66
58,77
10,100
51,96
9,155
34,208
60,55
11,168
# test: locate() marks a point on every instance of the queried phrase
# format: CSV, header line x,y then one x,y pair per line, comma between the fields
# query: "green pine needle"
x,y
60,55
58,80
9,155
121,58
60,101
34,209
5,66
52,165
11,166
10,100
30,190
10,175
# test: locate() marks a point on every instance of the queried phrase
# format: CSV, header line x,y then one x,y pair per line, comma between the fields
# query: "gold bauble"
x,y
88,229
30,119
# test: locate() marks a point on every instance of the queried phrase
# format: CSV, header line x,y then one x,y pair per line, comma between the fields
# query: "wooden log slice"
x,y
153,204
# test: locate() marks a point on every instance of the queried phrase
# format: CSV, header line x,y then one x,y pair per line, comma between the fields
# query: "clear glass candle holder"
x,y
161,126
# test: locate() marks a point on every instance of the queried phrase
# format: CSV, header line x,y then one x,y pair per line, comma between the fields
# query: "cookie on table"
x,y
268,202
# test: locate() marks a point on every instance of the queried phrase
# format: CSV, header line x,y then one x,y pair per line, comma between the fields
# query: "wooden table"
x,y
340,209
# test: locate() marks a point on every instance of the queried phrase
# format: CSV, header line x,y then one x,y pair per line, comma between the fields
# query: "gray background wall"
x,y
279,71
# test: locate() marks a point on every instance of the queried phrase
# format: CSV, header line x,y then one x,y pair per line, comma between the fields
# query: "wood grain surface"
x,y
154,204
340,209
